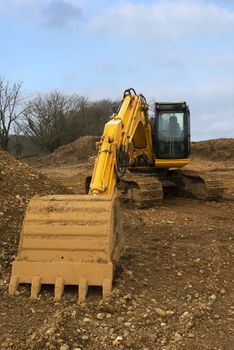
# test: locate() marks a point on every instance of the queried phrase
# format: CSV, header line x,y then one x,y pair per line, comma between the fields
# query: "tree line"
x,y
48,120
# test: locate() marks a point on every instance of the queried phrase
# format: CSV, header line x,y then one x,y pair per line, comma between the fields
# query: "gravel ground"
x,y
173,289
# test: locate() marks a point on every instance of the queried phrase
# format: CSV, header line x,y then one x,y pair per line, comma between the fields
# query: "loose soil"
x,y
19,183
217,149
173,289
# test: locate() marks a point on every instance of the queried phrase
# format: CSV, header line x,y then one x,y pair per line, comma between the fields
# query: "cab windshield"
x,y
171,134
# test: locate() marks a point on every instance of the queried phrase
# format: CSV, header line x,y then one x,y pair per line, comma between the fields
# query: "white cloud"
x,y
164,19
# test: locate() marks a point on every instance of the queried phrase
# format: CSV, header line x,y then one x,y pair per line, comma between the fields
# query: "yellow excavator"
x,y
77,239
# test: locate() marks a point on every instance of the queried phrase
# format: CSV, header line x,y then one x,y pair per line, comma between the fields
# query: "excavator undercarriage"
x,y
146,187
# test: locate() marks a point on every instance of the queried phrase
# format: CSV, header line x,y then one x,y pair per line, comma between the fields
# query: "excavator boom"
x,y
130,126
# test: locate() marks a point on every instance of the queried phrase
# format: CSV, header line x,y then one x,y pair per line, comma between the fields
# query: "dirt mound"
x,y
76,152
18,183
18,179
81,149
215,150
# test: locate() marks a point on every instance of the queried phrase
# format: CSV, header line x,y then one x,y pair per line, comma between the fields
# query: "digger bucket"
x,y
68,240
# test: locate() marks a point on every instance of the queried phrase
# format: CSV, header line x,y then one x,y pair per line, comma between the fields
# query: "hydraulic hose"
x,y
121,162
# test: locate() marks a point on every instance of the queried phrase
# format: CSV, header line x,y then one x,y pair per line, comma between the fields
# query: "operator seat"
x,y
174,128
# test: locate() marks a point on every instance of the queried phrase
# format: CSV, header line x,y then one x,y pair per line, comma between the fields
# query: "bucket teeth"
x,y
83,288
58,288
106,287
35,287
14,282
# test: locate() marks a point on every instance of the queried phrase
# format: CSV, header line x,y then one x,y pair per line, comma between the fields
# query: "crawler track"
x,y
144,191
202,185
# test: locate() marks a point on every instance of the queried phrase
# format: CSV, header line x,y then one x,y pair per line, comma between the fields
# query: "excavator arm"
x,y
77,239
126,136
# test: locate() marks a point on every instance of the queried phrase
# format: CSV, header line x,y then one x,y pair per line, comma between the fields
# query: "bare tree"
x,y
47,119
10,108
90,118
54,119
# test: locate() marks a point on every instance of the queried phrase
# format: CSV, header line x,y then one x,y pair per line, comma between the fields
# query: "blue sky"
x,y
167,50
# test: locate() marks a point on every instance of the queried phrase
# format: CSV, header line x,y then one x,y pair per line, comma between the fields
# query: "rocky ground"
x,y
173,289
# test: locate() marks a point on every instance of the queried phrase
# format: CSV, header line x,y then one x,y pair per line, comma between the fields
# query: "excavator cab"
x,y
171,134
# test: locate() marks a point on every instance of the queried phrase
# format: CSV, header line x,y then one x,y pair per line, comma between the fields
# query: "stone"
x,y
115,291
64,347
184,315
129,273
50,330
100,316
177,336
127,296
190,335
73,314
213,297
127,324
161,312
85,337
117,341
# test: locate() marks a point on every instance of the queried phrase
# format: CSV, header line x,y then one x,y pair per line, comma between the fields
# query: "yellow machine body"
x,y
171,163
77,240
